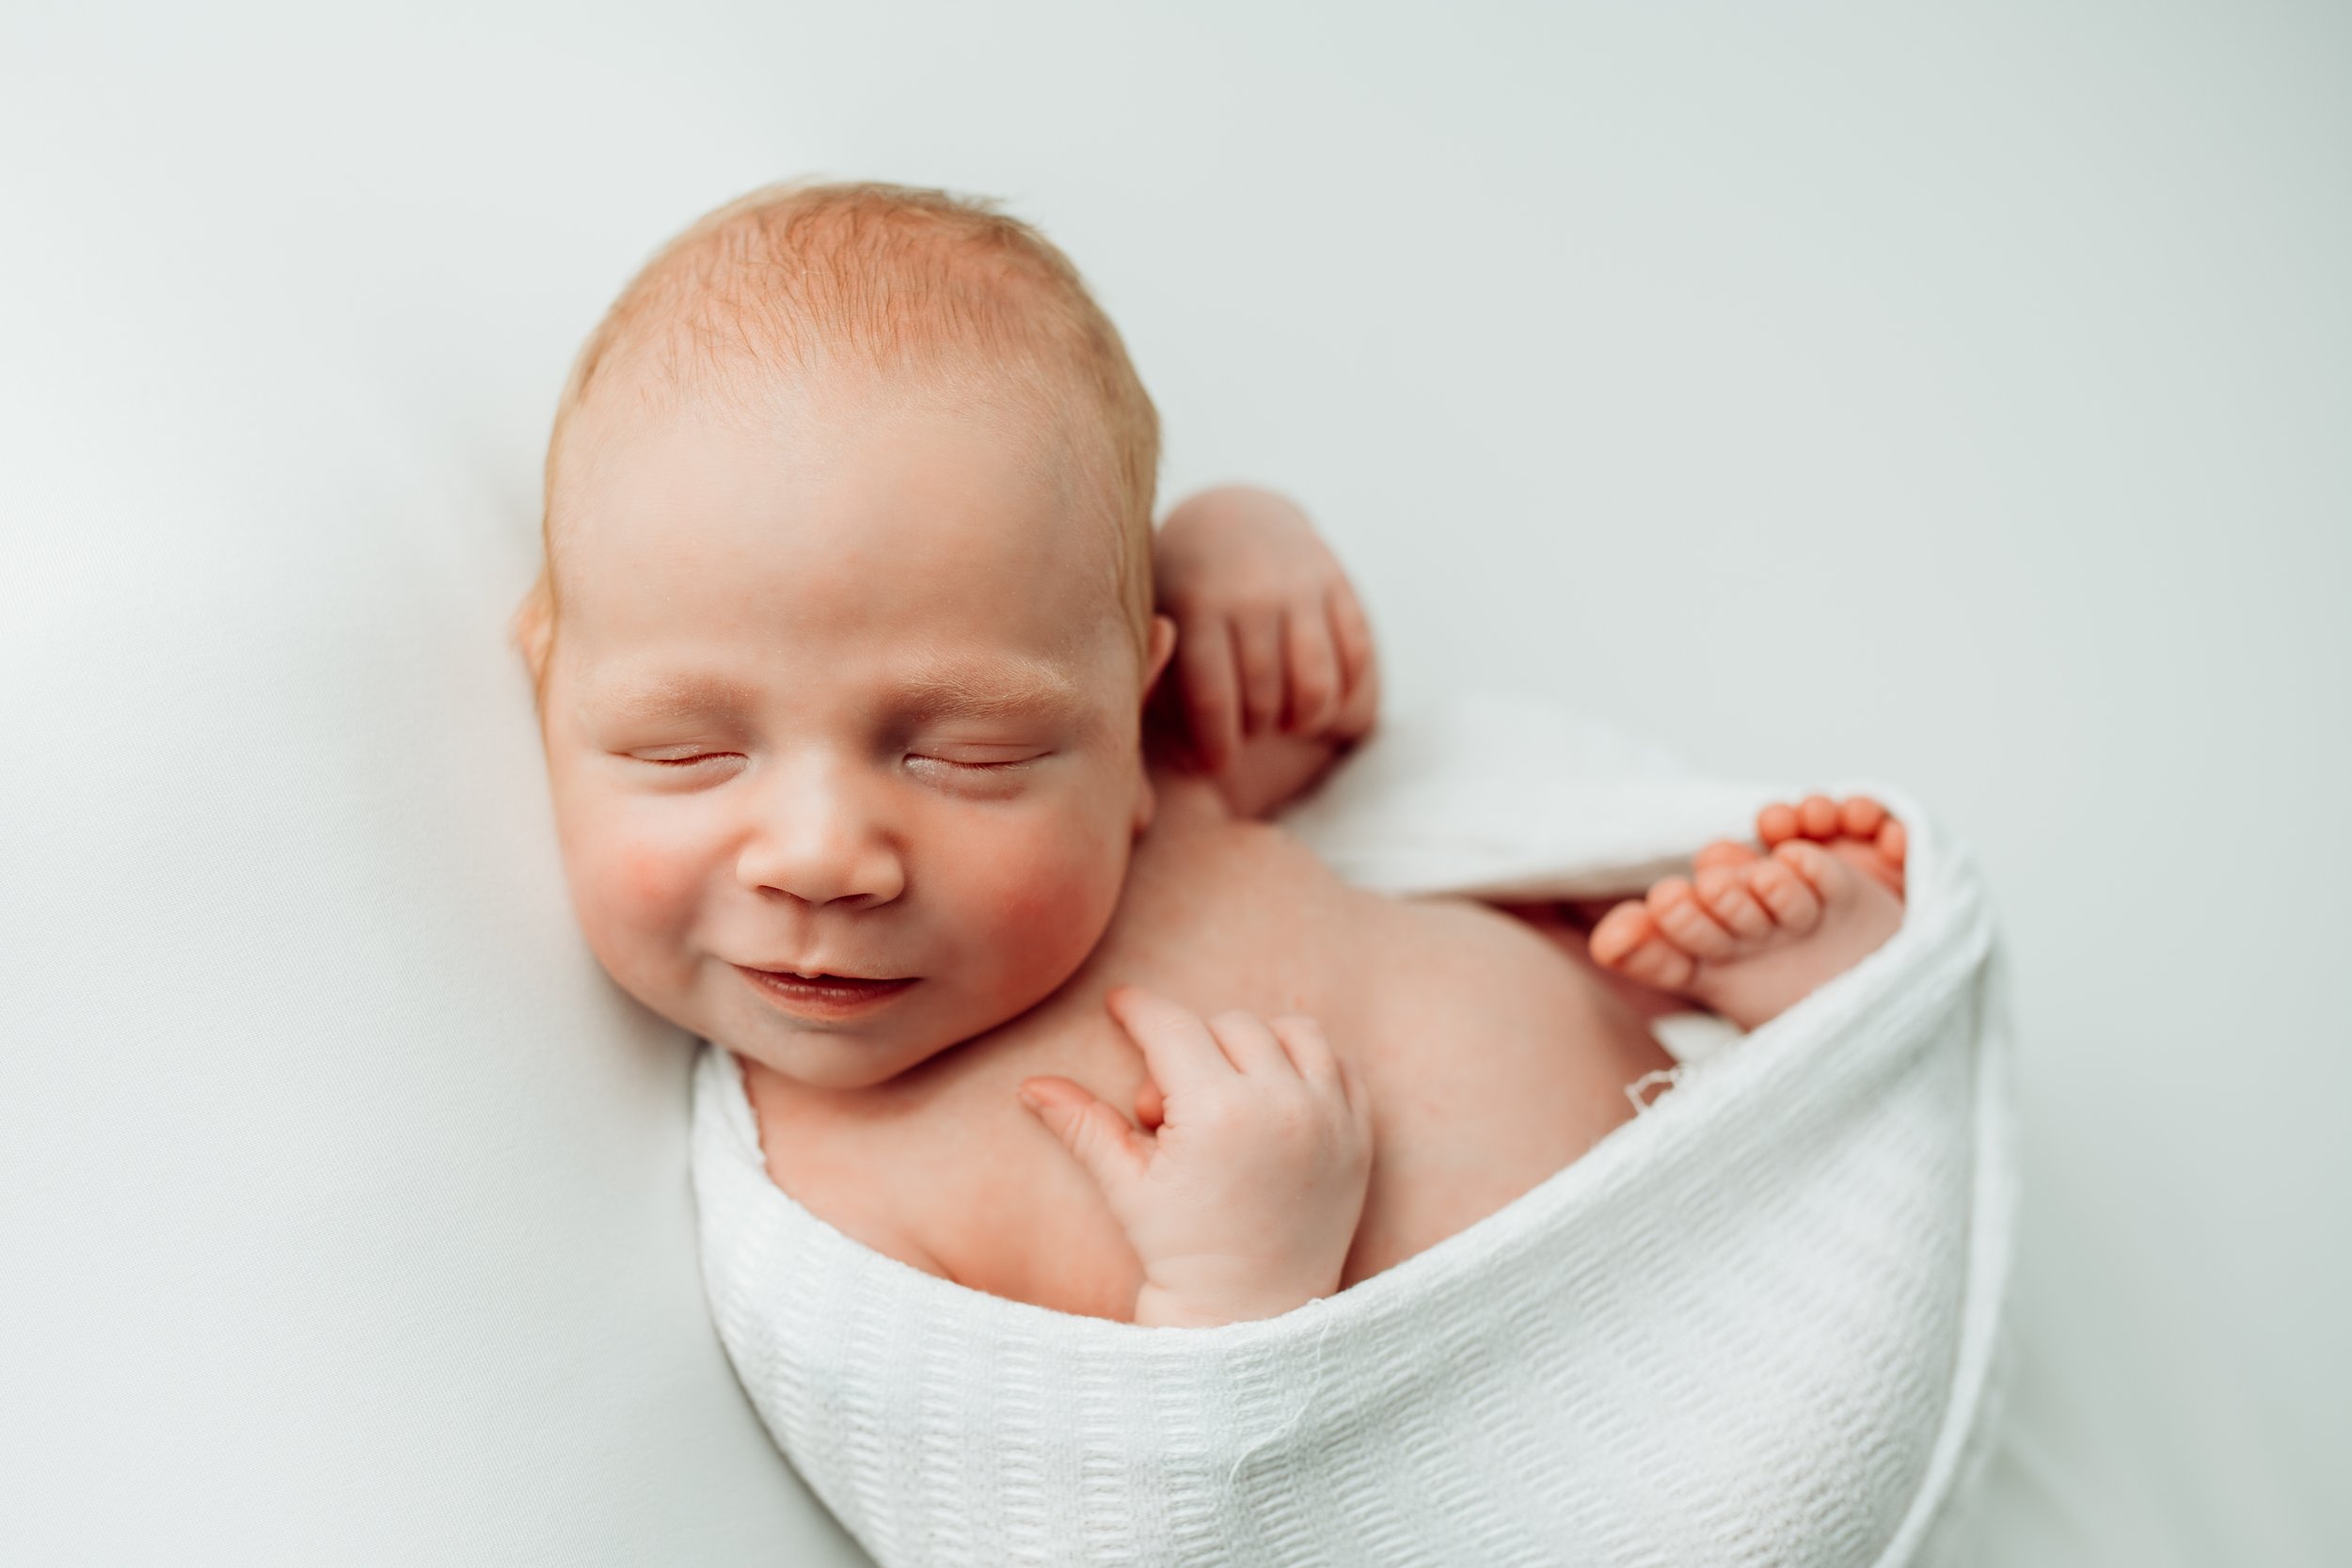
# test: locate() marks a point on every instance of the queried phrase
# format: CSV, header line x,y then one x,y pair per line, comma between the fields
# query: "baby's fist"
x,y
1269,636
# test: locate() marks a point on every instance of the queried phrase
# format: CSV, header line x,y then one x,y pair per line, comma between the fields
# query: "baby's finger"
x,y
1311,1052
1205,657
1257,648
1096,1137
1358,711
1179,1052
1360,706
1250,1045
1313,661
1351,633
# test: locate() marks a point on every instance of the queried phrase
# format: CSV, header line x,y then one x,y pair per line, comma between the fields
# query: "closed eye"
x,y
969,765
685,762
972,767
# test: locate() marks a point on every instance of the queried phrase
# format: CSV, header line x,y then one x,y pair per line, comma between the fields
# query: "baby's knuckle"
x,y
1158,1031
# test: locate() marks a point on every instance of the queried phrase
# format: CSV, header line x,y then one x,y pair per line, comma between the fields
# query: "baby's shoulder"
x,y
1469,959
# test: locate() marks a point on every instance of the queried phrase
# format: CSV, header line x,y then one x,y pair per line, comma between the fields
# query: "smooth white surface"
x,y
1960,400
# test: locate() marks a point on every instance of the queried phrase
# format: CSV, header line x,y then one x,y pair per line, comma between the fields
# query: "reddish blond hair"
x,y
800,278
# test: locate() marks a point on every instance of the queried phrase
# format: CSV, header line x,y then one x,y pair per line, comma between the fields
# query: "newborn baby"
x,y
892,751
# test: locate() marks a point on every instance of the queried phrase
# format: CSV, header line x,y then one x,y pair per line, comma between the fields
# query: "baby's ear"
x,y
533,626
1146,802
1163,645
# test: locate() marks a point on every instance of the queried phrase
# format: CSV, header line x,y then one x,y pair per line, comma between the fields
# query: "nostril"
x,y
854,880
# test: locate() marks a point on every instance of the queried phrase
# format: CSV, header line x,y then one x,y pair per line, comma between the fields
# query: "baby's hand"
x,y
1269,636
1244,1203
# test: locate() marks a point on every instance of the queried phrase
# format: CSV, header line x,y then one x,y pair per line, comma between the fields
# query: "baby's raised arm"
x,y
1275,673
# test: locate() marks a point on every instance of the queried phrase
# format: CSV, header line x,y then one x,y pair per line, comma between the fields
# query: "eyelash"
x,y
945,762
973,767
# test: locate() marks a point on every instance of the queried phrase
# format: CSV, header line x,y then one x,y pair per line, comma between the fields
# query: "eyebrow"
x,y
674,694
1012,689
1009,688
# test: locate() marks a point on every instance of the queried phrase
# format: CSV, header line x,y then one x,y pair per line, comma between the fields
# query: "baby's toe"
x,y
1723,852
1818,816
1619,932
1661,964
1893,842
1629,942
1859,816
1829,875
1677,908
1794,904
1724,890
1776,824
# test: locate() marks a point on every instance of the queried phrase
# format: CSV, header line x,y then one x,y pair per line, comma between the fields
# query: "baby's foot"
x,y
1747,934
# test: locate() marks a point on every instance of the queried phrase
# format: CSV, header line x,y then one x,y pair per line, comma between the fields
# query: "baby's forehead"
x,y
910,522
863,501
783,429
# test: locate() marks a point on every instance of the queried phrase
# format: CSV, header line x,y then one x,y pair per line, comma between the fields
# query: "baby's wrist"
x,y
1158,1308
1208,1305
1212,519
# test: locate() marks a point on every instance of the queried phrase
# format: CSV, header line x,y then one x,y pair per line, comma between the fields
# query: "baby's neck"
x,y
1186,804
1270,773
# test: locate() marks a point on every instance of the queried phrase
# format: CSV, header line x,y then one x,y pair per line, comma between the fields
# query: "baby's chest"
x,y
1492,1064
962,1179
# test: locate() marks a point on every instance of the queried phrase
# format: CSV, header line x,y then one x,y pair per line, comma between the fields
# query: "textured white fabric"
x,y
1755,1325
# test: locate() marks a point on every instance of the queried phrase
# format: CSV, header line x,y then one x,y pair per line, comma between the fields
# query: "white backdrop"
x,y
1820,389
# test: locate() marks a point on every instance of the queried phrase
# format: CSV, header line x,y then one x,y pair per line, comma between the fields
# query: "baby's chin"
x,y
839,1065
850,1056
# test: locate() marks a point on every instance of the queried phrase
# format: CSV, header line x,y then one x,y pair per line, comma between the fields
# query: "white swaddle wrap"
x,y
1755,1325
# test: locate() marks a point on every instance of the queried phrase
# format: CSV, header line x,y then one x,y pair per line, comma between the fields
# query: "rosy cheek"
x,y
1052,898
650,876
627,885
1038,896
634,886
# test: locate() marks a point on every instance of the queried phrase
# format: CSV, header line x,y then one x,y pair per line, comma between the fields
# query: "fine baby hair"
x,y
805,280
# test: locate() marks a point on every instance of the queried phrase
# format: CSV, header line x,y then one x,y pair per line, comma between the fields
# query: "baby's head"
x,y
845,627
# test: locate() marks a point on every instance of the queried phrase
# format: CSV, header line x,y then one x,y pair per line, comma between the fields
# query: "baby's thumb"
x,y
1097,1137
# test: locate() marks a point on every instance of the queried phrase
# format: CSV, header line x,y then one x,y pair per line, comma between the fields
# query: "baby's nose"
x,y
823,839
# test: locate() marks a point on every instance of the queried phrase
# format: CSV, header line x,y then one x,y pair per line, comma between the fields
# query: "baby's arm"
x,y
1275,673
1244,1202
